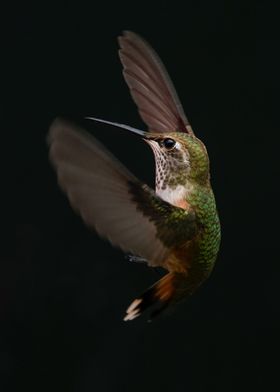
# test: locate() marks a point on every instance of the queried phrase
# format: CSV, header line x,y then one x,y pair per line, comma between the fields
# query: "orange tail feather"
x,y
160,293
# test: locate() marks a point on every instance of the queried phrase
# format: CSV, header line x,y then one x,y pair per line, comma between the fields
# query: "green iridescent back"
x,y
203,201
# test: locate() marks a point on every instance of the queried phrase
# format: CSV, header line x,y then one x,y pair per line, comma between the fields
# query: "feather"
x,y
151,87
99,189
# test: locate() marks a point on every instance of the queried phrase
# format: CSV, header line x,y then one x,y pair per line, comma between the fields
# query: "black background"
x,y
63,290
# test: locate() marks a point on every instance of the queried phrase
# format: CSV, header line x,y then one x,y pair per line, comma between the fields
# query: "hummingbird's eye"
x,y
169,143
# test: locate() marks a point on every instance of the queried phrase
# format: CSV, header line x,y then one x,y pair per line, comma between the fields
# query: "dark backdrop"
x,y
63,290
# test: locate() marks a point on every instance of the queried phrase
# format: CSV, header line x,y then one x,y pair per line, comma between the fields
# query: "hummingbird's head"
x,y
180,158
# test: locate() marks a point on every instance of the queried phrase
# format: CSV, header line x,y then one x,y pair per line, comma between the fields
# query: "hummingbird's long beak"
x,y
123,126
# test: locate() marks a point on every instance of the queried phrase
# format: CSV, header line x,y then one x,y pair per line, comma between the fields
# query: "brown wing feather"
x,y
151,86
98,187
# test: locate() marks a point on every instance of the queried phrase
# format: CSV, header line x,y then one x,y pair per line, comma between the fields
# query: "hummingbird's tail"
x,y
162,293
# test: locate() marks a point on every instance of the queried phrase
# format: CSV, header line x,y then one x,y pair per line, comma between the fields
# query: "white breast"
x,y
174,196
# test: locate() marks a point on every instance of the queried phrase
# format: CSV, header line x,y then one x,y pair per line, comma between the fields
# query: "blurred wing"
x,y
107,196
98,187
151,86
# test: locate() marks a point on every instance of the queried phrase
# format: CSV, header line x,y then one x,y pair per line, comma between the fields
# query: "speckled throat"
x,y
172,168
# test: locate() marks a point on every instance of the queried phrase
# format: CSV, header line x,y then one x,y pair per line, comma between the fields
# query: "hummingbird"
x,y
174,226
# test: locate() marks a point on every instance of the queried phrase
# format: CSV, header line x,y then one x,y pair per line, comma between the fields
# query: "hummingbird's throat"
x,y
172,184
172,170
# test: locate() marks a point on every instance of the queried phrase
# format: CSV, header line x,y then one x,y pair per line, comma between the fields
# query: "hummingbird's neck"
x,y
172,183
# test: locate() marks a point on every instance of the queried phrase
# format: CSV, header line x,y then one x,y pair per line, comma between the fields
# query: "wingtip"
x,y
123,35
128,35
57,125
53,126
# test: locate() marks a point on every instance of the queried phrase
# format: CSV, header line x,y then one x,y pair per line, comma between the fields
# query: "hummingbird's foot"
x,y
136,259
